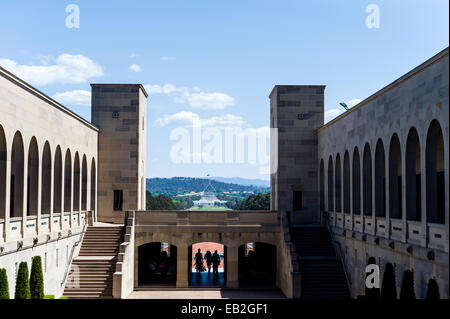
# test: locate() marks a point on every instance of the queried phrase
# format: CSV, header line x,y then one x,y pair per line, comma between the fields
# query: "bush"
x,y
433,290
64,297
37,279
388,288
49,297
4,288
22,283
407,291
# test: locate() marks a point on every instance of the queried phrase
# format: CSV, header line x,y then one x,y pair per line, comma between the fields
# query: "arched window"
x,y
32,178
57,182
356,187
330,185
380,180
367,181
17,176
67,181
346,183
3,159
46,179
321,187
76,183
395,178
435,174
84,184
338,184
413,177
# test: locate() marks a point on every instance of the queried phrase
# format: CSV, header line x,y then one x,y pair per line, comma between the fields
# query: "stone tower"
x,y
119,110
296,111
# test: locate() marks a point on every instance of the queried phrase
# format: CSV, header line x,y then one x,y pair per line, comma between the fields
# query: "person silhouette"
x,y
208,258
199,261
215,262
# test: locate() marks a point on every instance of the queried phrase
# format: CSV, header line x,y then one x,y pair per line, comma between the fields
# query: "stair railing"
x,y
69,265
340,255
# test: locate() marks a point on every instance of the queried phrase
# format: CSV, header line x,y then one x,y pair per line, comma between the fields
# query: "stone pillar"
x,y
374,224
182,266
25,192
350,189
386,167
232,266
423,194
404,212
80,191
39,194
342,160
361,189
52,191
72,182
63,184
8,196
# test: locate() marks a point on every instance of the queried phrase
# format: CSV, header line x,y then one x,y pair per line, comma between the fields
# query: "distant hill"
x,y
182,185
243,181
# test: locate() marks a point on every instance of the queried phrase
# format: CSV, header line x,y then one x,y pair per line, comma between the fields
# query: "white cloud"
x,y
186,118
132,55
66,68
330,114
198,98
76,97
167,58
134,68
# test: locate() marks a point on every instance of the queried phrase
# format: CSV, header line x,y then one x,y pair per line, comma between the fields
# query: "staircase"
x,y
322,274
91,274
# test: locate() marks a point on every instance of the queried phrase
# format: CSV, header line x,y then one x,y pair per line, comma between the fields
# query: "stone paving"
x,y
207,294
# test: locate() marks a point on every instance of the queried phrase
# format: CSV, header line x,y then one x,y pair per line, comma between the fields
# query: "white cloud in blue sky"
x,y
135,68
75,97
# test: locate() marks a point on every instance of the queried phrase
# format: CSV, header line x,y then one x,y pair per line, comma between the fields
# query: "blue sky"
x,y
216,61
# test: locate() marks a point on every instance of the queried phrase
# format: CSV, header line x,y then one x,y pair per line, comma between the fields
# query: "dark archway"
x,y
346,183
413,177
204,277
67,182
76,183
337,186
32,178
17,176
380,180
157,264
330,185
46,181
322,187
367,181
356,187
395,178
57,182
435,174
257,264
3,159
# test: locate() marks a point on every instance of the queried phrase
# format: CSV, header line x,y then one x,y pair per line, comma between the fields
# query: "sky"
x,y
215,63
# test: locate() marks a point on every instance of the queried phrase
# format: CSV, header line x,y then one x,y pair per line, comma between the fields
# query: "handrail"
x,y
69,265
337,248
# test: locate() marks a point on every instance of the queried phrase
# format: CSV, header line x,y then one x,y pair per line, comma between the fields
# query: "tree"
x,y
388,288
407,291
433,290
254,202
22,283
37,279
4,288
372,293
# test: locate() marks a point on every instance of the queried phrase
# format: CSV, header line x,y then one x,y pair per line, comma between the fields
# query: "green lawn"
x,y
215,208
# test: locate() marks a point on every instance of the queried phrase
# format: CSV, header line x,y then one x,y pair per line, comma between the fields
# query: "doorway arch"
x,y
257,264
207,278
157,264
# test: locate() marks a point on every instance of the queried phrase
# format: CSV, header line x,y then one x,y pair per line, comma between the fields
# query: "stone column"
x,y
182,266
8,197
404,212
63,184
72,184
386,167
39,194
80,191
232,266
52,193
423,195
350,189
361,189
25,192
374,224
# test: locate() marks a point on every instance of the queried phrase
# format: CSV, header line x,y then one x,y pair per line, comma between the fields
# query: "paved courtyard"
x,y
207,294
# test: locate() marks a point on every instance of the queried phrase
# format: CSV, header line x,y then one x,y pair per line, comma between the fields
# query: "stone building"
x,y
371,186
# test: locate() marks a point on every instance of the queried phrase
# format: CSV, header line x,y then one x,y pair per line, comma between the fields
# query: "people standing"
x,y
208,257
215,262
199,261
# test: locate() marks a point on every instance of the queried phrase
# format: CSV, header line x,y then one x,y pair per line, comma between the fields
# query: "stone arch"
x,y
257,264
67,181
46,179
346,183
380,180
3,160
76,182
395,178
435,174
33,178
57,181
413,176
17,176
337,185
321,187
356,177
157,263
330,185
84,184
367,181
93,184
